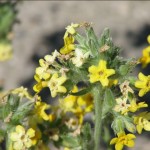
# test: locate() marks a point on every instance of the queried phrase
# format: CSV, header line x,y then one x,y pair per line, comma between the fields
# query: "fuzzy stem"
x,y
97,92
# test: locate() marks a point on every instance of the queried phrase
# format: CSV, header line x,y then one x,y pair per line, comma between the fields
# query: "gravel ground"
x,y
42,26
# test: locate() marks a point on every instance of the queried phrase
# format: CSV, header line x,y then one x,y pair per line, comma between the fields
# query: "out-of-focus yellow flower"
x,y
134,106
122,105
41,146
122,140
68,45
5,52
66,148
148,39
50,59
143,84
71,29
43,71
40,108
145,59
142,122
55,84
67,104
22,92
40,84
100,73
86,102
22,139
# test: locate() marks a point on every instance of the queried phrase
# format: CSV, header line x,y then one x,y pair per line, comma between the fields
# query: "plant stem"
x,y
97,92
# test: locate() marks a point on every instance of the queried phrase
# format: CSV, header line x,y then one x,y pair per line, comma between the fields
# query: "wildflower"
x,y
125,88
142,122
80,57
121,105
22,92
43,72
55,85
71,29
145,59
86,102
5,52
122,140
143,84
68,46
22,139
41,146
100,73
134,106
68,103
40,108
40,85
51,58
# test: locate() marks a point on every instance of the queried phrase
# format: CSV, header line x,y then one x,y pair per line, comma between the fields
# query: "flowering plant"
x,y
95,91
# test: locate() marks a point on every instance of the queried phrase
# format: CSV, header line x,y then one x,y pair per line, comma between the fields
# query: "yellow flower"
x,y
145,59
148,39
5,52
143,83
86,102
40,85
22,139
100,73
68,103
41,146
40,108
134,106
71,29
68,45
121,105
55,85
43,71
122,140
51,58
142,122
22,92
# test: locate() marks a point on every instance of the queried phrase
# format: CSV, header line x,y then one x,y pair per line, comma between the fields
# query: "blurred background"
x,y
41,24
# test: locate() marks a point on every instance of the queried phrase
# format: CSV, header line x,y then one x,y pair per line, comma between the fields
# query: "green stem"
x,y
97,92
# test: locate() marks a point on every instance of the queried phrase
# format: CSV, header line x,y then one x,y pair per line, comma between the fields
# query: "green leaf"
x,y
118,125
109,102
22,112
70,141
124,69
10,106
86,137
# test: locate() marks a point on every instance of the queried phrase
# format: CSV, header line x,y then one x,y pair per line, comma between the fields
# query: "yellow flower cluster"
x,y
78,105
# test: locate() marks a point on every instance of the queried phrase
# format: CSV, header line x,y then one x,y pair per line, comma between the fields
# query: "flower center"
x,y
101,73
